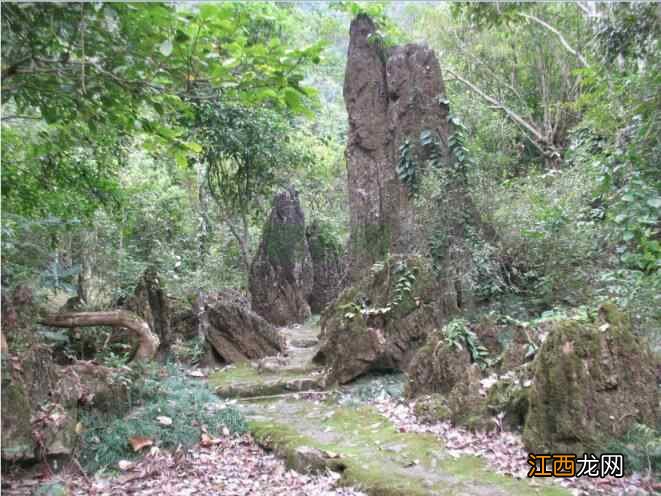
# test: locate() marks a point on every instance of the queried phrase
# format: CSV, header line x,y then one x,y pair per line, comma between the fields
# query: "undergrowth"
x,y
641,447
191,406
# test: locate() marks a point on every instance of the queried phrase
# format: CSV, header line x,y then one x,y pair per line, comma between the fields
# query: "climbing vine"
x,y
402,288
404,284
460,156
406,167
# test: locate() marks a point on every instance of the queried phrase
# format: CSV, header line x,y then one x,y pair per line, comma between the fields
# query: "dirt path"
x,y
313,432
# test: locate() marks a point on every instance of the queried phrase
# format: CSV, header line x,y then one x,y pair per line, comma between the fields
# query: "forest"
x,y
331,248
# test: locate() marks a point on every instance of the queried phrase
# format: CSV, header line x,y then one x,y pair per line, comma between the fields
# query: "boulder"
x,y
437,367
468,406
237,334
41,400
328,265
507,397
281,274
432,408
17,443
592,381
379,323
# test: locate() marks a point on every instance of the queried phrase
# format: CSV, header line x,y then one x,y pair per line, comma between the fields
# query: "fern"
x,y
189,404
641,447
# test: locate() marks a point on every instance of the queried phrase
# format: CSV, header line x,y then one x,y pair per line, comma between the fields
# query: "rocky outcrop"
x,y
183,318
150,301
437,367
392,96
41,402
379,323
239,335
328,265
233,331
281,275
591,382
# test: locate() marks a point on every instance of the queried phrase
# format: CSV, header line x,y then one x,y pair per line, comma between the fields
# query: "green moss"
x,y
284,243
240,373
586,374
378,458
242,376
433,409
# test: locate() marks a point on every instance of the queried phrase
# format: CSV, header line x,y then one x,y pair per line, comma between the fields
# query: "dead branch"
x,y
538,139
562,39
118,318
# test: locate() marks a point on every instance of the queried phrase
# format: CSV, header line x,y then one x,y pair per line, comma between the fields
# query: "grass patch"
x,y
190,404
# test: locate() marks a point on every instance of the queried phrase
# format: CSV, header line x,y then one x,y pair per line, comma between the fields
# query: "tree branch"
x,y
118,318
560,37
539,138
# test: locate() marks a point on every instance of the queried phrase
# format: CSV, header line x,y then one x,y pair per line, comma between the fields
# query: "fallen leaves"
x,y
140,442
503,451
231,466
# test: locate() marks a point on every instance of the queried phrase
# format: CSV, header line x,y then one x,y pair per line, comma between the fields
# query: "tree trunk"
x,y
118,318
85,249
204,229
243,241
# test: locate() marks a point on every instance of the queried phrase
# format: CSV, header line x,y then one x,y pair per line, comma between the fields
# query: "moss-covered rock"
x,y
17,443
508,397
327,256
592,381
467,405
437,367
281,274
432,408
379,323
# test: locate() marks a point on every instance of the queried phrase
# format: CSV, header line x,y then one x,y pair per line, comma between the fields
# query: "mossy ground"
x,y
374,455
247,381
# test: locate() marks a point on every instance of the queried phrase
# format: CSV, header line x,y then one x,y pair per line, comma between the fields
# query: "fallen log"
x,y
117,318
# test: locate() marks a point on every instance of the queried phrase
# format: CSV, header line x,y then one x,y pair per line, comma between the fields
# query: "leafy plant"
x,y
458,334
190,405
403,285
641,447
406,167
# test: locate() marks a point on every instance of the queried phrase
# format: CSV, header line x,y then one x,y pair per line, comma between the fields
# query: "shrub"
x,y
190,405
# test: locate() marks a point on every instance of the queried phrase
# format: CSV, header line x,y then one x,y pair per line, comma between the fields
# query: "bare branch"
x,y
539,138
118,318
560,37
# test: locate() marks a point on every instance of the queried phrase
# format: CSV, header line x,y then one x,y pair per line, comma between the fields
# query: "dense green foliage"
x,y
157,134
190,405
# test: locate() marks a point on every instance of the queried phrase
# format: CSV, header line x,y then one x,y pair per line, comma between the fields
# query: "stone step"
x,y
270,387
303,342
